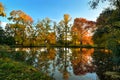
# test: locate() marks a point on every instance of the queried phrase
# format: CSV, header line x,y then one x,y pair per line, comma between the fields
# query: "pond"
x,y
62,63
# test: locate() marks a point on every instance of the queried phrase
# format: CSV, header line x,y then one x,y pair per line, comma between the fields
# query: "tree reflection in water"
x,y
63,63
82,61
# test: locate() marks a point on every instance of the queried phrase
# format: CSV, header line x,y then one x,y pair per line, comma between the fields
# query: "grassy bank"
x,y
10,69
13,70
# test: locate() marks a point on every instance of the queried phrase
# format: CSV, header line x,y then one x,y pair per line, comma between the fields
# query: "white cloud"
x,y
3,24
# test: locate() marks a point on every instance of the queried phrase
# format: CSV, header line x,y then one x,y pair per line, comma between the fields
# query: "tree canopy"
x,y
2,10
95,3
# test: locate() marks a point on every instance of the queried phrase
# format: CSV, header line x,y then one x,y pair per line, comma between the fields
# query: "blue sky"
x,y
53,9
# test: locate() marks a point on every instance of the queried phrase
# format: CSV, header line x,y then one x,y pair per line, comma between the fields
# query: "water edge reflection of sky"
x,y
63,63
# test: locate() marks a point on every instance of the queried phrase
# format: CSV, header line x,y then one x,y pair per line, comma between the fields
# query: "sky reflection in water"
x,y
62,63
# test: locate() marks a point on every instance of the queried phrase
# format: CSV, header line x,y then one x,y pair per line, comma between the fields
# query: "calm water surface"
x,y
62,63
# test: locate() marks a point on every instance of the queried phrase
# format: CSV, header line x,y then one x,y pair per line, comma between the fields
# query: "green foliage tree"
x,y
2,35
63,30
94,3
103,28
2,13
60,33
107,32
43,29
5,38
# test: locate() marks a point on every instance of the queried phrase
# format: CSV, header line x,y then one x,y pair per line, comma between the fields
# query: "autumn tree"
x,y
63,29
2,10
18,28
81,31
51,38
44,33
60,33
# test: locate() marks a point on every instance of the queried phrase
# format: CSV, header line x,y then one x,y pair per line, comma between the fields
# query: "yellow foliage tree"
x,y
22,22
2,10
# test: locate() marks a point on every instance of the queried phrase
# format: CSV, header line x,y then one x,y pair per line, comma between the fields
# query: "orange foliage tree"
x,y
81,31
18,28
20,17
51,38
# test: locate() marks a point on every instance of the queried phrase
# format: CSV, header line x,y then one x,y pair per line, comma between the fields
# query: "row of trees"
x,y
23,31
